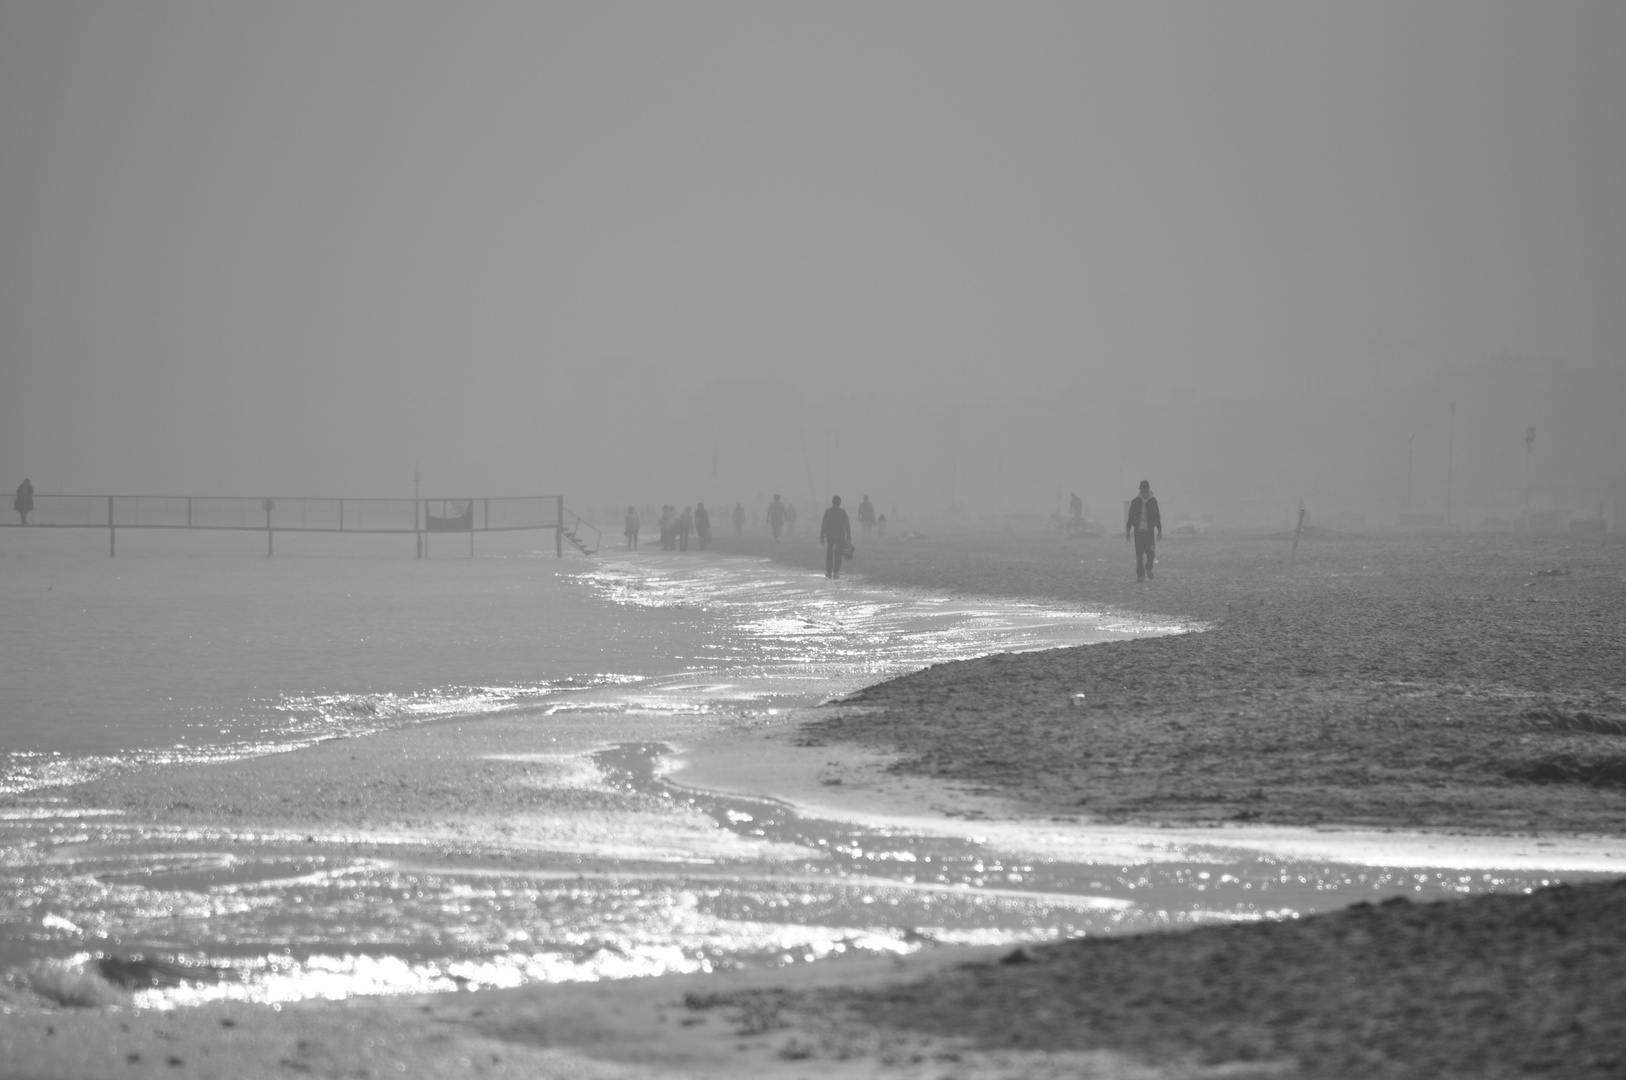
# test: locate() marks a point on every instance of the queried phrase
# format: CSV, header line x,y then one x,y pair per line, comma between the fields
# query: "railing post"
x,y
559,529
112,541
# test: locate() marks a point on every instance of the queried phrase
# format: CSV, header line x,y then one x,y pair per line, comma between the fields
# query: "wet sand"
x,y
1412,683
1458,682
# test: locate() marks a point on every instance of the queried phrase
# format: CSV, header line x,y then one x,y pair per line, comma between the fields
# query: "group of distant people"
x,y
676,527
1144,526
835,529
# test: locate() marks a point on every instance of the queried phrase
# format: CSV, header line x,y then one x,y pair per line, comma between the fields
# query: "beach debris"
x,y
1077,700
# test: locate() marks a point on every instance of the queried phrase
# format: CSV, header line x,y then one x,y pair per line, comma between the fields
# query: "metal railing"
x,y
577,530
273,515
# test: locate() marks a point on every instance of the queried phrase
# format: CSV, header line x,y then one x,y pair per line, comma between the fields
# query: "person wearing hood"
x,y
1143,518
24,502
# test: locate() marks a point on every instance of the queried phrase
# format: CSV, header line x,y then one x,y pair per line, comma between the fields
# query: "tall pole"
x,y
1529,445
1409,441
1450,446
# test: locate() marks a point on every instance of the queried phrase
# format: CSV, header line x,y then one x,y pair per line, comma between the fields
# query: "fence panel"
x,y
154,511
304,513
380,515
227,512
538,512
63,510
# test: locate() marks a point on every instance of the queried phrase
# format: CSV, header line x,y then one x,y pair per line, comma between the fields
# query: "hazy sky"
x,y
305,246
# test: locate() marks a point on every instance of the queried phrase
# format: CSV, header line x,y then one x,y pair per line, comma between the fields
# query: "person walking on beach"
x,y
739,519
685,526
776,517
836,533
24,502
866,517
633,525
1077,507
702,524
1143,518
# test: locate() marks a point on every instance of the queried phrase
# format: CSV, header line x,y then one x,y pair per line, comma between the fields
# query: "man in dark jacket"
x,y
1143,518
702,524
836,533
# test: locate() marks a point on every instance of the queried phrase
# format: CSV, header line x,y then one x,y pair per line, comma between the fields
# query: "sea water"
x,y
190,653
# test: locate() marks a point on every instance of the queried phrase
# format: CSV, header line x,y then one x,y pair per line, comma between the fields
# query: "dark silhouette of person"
x,y
776,517
1077,506
739,519
836,533
866,517
880,527
633,525
685,526
1143,518
24,502
702,524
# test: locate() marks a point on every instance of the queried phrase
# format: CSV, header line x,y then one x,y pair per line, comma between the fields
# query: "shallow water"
x,y
627,873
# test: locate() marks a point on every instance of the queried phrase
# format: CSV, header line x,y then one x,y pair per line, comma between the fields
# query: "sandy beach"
x,y
1453,693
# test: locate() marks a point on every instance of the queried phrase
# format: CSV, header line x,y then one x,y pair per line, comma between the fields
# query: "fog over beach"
x,y
966,253
472,703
